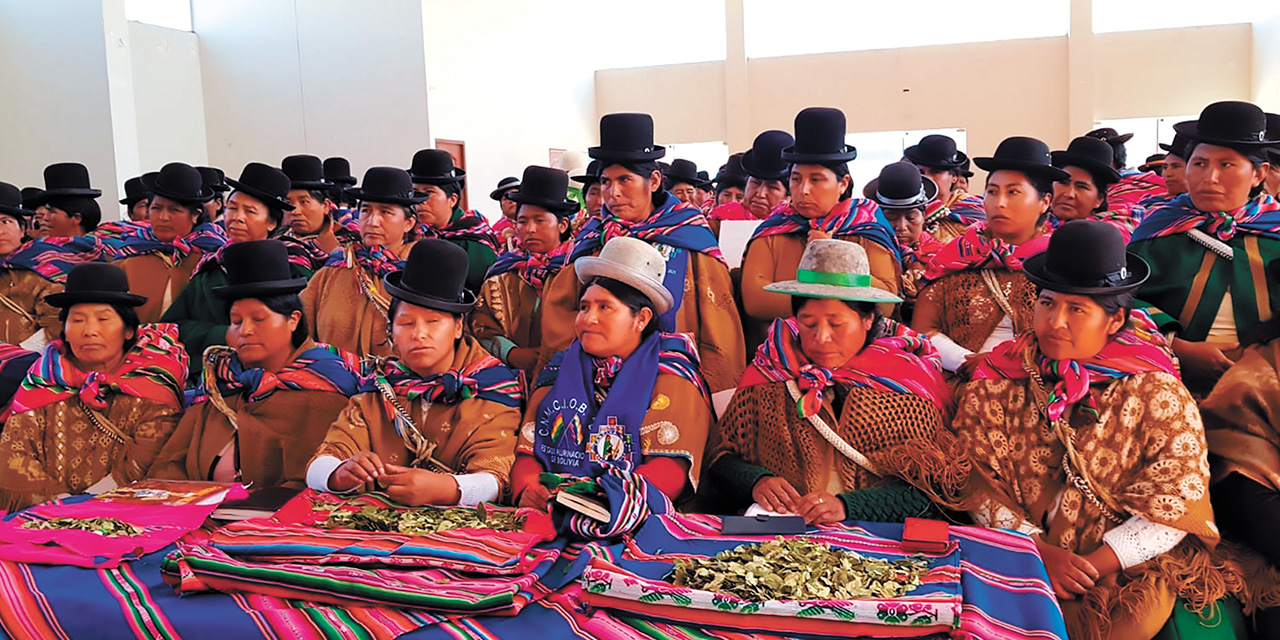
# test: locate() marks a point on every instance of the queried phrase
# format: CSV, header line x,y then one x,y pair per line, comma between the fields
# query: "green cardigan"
x,y
201,316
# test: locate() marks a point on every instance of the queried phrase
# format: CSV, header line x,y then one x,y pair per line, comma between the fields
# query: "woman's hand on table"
x,y
820,507
1203,360
359,470
416,487
535,496
1070,574
776,494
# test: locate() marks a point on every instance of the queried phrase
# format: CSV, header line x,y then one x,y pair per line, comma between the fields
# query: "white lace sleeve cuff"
x,y
474,488
953,355
1138,540
319,470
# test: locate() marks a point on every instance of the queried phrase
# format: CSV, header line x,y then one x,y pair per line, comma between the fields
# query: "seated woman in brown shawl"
x,y
840,415
30,270
508,317
973,295
265,402
346,303
624,397
1082,435
437,423
109,386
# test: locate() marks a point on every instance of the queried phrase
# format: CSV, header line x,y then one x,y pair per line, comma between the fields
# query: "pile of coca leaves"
x,y
109,527
798,569
419,521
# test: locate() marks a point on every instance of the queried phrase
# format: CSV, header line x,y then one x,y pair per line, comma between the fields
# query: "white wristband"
x,y
953,355
319,470
474,488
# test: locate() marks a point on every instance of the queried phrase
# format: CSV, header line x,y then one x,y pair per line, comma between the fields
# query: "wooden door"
x,y
458,150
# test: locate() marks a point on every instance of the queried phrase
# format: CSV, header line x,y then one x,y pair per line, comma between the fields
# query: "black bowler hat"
x,y
547,188
902,186
820,133
1109,136
178,182
268,184
305,172
705,177
505,185
965,170
134,191
1086,257
338,171
1229,124
1026,155
763,160
213,177
387,185
682,171
11,202
434,166
31,197
590,176
95,282
1179,145
936,152
626,137
732,175
257,269
66,179
434,277
1091,154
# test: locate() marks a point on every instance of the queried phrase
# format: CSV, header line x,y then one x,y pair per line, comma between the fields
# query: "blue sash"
x,y
578,437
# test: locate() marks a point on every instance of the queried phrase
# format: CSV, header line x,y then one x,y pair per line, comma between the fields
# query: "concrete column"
x,y
1080,81
737,98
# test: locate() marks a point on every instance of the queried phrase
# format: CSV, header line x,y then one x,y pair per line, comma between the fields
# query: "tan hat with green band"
x,y
834,269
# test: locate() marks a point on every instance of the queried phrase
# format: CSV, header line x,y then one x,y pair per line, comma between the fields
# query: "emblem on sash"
x,y
611,444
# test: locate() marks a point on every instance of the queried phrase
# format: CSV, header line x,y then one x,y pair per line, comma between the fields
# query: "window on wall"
x,y
1138,15
656,32
173,14
1148,134
799,27
879,148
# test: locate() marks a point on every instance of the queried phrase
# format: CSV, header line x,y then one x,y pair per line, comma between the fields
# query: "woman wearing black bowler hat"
x,y
904,195
1085,193
31,270
821,207
973,294
954,209
265,402
67,205
161,256
636,206
1083,437
767,183
111,385
592,200
1204,246
345,303
440,213
437,423
505,227
508,315
255,210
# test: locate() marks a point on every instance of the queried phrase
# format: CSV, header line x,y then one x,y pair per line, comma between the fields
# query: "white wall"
x,y
512,80
168,96
57,103
325,77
